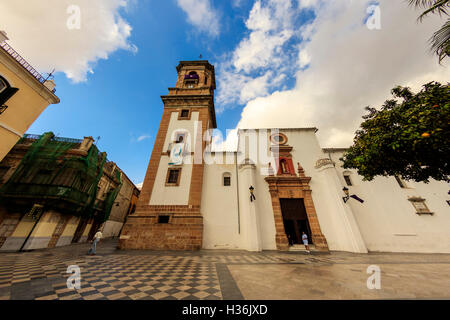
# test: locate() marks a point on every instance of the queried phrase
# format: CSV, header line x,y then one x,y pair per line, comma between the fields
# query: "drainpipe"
x,y
237,192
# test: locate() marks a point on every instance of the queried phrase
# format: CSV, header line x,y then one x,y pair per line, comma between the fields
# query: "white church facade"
x,y
278,184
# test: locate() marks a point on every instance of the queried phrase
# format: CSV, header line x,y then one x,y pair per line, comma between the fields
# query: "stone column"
x,y
249,210
351,236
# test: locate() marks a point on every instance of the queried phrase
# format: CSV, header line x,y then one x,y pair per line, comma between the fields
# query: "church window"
x,y
419,205
227,179
180,137
163,219
400,182
184,113
191,79
173,177
278,138
347,179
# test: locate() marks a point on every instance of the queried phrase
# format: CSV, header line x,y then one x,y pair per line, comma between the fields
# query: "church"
x,y
277,185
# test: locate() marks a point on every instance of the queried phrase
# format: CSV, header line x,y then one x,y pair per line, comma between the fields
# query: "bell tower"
x,y
168,214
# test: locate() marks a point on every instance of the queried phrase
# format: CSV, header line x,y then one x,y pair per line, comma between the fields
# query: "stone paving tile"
x,y
206,274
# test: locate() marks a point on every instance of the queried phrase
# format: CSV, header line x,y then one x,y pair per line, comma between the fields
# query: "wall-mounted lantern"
x,y
252,196
348,196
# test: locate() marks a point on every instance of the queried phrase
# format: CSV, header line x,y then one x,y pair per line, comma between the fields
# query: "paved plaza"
x,y
214,275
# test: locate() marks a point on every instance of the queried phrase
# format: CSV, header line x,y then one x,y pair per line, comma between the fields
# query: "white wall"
x,y
388,221
219,209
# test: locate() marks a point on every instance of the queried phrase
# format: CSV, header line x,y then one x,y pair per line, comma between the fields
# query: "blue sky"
x,y
279,63
120,101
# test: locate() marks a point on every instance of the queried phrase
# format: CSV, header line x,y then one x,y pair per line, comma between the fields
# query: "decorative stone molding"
x,y
248,163
292,187
323,162
419,205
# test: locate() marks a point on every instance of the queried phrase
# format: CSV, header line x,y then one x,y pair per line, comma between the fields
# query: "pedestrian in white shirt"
x,y
93,250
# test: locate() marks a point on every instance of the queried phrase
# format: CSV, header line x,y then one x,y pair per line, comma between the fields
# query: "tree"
x,y
440,41
409,136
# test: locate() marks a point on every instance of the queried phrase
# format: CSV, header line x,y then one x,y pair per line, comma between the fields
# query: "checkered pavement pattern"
x,y
42,275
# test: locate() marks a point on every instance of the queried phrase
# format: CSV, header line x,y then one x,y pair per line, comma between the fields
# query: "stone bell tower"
x,y
168,215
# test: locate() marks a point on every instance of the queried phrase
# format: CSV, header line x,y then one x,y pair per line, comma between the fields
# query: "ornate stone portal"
x,y
294,187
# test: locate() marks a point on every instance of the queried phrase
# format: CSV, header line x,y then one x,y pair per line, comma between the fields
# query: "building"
x,y
57,191
276,185
24,95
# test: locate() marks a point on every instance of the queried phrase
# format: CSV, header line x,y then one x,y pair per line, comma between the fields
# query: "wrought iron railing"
x,y
37,137
13,53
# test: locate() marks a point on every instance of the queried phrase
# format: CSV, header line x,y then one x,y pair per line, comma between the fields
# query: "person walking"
x,y
93,250
305,241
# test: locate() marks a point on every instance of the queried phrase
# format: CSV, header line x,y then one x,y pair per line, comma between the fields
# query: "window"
x,y
206,80
400,182
191,79
3,85
173,177
278,138
163,219
180,137
185,113
227,179
347,179
6,92
419,205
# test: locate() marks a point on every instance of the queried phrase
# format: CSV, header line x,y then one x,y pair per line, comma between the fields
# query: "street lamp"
x,y
252,196
347,195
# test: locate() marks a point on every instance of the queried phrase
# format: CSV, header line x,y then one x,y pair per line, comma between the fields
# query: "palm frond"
x,y
440,41
432,6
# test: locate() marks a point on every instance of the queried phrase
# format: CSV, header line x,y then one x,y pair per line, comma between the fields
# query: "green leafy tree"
x,y
440,41
409,136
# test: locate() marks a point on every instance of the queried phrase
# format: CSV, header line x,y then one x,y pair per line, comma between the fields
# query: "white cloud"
x,y
38,31
350,67
258,63
308,3
202,15
143,137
